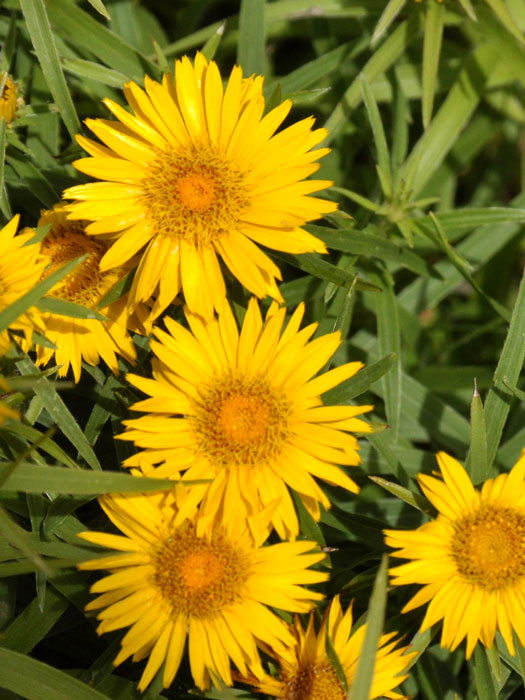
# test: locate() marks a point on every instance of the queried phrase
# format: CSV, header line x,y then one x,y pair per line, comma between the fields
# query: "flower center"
x,y
198,576
488,547
194,194
83,284
314,682
241,421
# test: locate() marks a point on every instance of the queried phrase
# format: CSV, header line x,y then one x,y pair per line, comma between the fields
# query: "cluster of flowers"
x,y
194,177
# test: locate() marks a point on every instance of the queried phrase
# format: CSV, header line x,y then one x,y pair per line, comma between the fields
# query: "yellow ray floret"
x,y
305,671
21,266
197,173
167,583
87,339
470,560
8,98
244,410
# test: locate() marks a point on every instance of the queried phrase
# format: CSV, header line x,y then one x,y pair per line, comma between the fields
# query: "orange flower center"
x,y
314,682
488,547
195,194
199,576
241,421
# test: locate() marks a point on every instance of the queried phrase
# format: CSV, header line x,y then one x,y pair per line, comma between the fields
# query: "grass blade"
x,y
477,465
431,52
37,23
250,51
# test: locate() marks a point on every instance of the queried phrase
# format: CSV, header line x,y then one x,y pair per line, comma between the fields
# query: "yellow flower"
x,y
21,267
168,582
306,672
244,410
197,174
5,410
78,339
7,98
470,560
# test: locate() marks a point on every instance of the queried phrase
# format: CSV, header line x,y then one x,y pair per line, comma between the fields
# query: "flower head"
x,y
8,98
21,267
196,174
78,339
245,411
306,672
470,560
168,582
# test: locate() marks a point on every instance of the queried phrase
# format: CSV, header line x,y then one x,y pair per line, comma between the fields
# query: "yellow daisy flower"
x,y
470,560
168,582
21,267
243,409
78,339
197,174
306,672
8,98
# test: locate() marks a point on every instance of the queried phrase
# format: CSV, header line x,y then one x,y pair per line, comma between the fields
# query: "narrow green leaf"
x,y
307,525
250,52
35,680
502,13
413,499
476,464
44,443
33,624
360,382
402,119
435,13
316,266
94,71
98,5
85,31
33,178
383,156
455,112
510,363
364,676
30,298
18,538
211,46
366,243
359,199
68,308
387,17
32,478
39,29
59,412
467,6
381,60
482,674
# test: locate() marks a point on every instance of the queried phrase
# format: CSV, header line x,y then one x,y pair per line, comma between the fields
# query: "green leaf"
x,y
369,245
413,499
364,676
482,674
68,308
431,52
33,178
250,52
32,478
44,442
453,115
39,29
59,412
502,13
380,61
94,71
35,680
33,624
388,16
383,156
211,46
83,30
360,382
497,404
30,298
316,266
5,208
477,464
19,539
307,525
98,5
